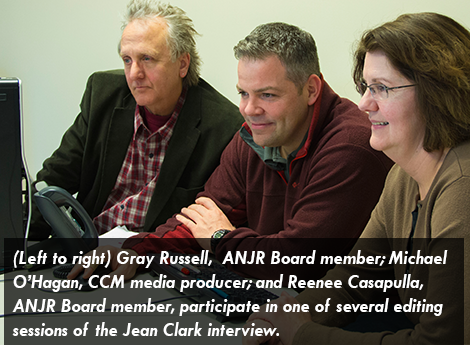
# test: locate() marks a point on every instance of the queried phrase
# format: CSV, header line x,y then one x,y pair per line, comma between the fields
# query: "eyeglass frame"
x,y
380,84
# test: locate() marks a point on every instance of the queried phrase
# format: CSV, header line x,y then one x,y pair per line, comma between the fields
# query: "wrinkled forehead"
x,y
150,32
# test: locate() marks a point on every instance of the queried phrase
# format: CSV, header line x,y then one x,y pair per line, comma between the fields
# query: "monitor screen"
x,y
11,171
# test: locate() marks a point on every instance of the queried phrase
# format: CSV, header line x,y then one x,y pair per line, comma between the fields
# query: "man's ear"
x,y
184,64
313,88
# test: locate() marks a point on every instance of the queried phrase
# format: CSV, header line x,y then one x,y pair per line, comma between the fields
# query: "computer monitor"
x,y
11,171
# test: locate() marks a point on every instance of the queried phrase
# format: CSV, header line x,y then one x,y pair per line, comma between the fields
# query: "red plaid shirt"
x,y
129,200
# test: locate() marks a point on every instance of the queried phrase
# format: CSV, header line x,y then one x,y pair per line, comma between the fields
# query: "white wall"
x,y
54,45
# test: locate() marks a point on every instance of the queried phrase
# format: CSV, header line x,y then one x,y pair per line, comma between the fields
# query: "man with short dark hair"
x,y
300,168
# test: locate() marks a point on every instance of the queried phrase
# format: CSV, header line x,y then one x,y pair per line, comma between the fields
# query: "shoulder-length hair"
x,y
433,52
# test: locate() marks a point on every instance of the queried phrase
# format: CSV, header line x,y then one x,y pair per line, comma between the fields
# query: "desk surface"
x,y
139,325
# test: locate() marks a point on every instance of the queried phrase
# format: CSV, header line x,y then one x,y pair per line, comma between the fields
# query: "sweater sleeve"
x,y
444,285
327,210
339,188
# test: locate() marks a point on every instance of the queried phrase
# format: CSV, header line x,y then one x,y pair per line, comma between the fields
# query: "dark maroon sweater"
x,y
335,181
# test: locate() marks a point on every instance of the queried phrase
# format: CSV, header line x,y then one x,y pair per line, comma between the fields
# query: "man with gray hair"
x,y
301,167
149,136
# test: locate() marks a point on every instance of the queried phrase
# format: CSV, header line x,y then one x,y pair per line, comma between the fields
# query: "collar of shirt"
x,y
169,124
271,156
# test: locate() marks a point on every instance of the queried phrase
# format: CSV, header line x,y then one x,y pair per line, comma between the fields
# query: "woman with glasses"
x,y
414,77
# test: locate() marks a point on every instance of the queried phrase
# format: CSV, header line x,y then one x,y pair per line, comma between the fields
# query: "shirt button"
x,y
122,207
151,155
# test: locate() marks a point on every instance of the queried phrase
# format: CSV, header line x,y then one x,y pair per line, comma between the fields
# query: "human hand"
x,y
286,323
203,219
126,270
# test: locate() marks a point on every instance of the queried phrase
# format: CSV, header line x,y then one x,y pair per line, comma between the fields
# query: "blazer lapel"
x,y
121,129
182,143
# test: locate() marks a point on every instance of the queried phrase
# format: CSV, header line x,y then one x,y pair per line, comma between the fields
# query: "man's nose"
x,y
136,71
251,107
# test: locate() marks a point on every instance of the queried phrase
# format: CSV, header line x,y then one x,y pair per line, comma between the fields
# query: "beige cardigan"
x,y
443,215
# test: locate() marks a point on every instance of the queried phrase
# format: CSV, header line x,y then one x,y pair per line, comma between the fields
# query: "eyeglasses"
x,y
378,91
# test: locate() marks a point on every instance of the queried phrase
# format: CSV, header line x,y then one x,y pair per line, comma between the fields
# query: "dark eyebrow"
x,y
262,90
267,88
380,81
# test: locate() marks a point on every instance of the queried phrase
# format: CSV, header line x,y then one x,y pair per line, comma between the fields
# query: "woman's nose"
x,y
367,102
